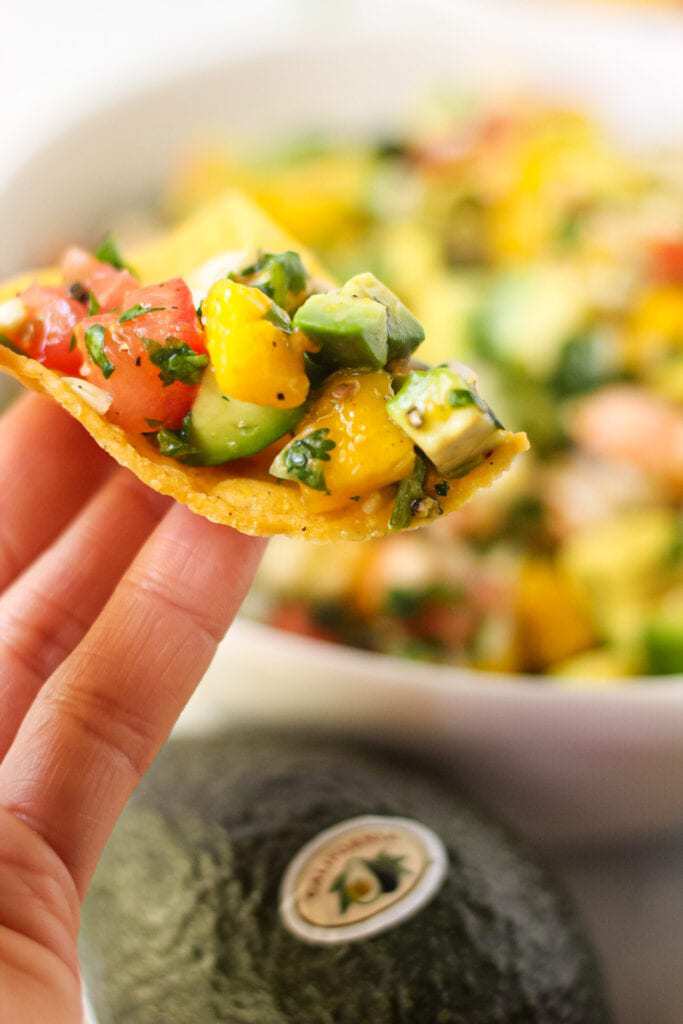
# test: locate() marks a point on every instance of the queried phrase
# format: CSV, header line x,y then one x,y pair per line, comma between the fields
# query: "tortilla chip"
x,y
242,495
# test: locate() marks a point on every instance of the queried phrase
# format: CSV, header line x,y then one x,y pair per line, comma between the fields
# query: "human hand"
x,y
112,601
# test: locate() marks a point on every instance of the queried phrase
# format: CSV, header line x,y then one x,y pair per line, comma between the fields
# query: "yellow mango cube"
x,y
369,451
254,359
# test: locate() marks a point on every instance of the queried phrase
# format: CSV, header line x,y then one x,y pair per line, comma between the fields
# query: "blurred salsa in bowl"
x,y
535,249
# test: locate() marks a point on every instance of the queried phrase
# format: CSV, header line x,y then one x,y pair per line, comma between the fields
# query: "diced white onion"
x,y
93,396
201,278
13,313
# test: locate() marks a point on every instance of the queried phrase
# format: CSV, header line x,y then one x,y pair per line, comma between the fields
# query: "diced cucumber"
x,y
223,428
351,332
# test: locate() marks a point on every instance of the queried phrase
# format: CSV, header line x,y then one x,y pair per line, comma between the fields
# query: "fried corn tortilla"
x,y
240,494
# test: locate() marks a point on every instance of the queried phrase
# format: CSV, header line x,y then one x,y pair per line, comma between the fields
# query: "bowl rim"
x,y
391,668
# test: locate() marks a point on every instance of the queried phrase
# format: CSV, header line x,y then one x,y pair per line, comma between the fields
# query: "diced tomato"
x,y
174,314
141,401
667,262
450,624
107,284
46,335
295,617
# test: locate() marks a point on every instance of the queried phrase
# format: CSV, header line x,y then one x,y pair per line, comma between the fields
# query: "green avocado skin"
x,y
181,925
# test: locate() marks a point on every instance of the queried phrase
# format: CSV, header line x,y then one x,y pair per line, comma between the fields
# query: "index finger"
x,y
100,719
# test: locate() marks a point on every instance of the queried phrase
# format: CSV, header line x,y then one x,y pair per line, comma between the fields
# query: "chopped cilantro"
x,y
108,252
406,602
94,342
410,492
458,397
276,315
303,456
417,649
176,361
176,444
138,310
280,275
93,305
6,343
72,343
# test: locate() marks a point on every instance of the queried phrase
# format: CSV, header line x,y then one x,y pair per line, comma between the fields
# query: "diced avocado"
x,y
442,413
404,331
222,428
527,316
351,332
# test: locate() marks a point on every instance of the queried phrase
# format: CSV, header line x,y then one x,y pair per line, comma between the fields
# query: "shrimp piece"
x,y
624,423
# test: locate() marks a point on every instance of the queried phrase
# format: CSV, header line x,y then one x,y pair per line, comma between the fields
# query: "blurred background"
x,y
515,172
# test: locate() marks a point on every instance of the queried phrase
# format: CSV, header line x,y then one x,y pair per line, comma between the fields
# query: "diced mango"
x,y
254,359
553,619
370,452
655,327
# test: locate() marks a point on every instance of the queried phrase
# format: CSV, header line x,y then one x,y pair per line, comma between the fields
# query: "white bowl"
x,y
562,765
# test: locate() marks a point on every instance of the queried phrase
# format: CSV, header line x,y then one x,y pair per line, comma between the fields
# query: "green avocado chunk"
x,y
404,331
221,428
351,332
182,921
442,412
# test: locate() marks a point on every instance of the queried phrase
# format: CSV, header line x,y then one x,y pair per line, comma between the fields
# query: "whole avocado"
x,y
182,922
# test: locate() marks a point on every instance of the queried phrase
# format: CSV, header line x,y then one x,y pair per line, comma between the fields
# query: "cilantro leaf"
x,y
93,305
138,310
176,361
276,315
94,343
280,275
6,343
408,496
108,252
176,444
303,456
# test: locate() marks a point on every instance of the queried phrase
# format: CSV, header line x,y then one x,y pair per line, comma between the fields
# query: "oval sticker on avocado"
x,y
360,878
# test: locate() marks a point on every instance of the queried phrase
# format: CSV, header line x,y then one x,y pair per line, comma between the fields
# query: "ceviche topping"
x,y
320,380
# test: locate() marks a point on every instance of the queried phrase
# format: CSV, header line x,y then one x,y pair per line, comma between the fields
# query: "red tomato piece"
x,y
667,262
142,402
295,617
107,284
173,316
47,334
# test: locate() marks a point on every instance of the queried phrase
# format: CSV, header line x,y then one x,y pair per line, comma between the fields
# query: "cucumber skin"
x,y
214,431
